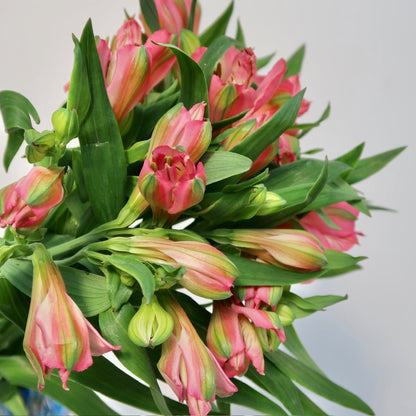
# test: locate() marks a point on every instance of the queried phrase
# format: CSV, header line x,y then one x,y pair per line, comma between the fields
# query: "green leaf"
x,y
262,62
79,96
340,263
371,165
149,12
11,399
14,305
194,86
352,157
294,63
218,125
83,401
191,19
221,165
249,397
16,111
114,326
294,346
254,144
214,52
253,273
309,126
310,408
137,152
240,34
88,290
103,160
313,381
217,28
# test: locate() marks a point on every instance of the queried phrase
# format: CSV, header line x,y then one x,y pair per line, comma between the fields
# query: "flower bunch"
x,y
175,228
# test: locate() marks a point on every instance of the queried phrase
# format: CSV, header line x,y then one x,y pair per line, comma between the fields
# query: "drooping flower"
x,y
184,128
340,237
188,366
57,333
26,203
171,182
173,16
209,273
290,249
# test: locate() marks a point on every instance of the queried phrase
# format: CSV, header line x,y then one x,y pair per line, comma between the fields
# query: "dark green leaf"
x,y
240,34
103,160
352,157
194,87
309,126
14,305
217,28
254,144
11,399
16,111
253,273
214,52
371,165
305,376
191,19
114,326
224,123
294,63
310,408
149,12
221,165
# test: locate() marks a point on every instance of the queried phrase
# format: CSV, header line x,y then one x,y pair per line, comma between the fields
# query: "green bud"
x,y
256,200
127,280
39,144
286,314
151,325
273,202
188,41
268,339
65,123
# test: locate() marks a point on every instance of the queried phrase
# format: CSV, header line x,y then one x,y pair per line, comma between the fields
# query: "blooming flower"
x,y
189,367
57,333
341,238
171,182
26,203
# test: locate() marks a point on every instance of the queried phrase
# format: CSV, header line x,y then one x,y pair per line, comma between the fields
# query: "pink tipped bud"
x,y
129,34
26,203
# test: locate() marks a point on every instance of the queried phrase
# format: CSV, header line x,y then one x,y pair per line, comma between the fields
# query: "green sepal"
x,y
149,12
218,27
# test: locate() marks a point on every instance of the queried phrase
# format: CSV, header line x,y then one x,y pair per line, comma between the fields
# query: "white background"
x,y
360,57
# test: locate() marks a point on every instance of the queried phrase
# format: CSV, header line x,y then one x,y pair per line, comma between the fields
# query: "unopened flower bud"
x,y
65,123
256,200
189,41
272,204
151,325
269,340
39,144
286,314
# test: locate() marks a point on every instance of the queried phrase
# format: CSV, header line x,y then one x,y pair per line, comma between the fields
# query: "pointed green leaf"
x,y
294,63
262,62
149,12
240,34
217,28
371,165
309,126
340,263
305,376
254,145
352,157
310,408
221,165
191,19
103,160
14,305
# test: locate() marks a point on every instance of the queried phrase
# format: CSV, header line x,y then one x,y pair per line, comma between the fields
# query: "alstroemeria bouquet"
x,y
168,214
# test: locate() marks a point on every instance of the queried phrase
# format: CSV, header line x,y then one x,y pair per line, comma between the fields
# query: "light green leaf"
x,y
217,28
340,263
221,165
262,62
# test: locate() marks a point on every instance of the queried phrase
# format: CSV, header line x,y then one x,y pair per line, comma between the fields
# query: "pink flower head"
x,y
189,367
288,149
57,333
230,91
26,203
209,273
131,69
342,238
173,16
184,128
171,182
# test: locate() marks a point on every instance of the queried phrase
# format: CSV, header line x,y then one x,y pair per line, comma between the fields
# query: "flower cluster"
x,y
182,217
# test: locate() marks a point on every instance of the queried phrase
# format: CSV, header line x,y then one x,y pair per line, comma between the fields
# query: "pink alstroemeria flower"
x,y
288,149
131,69
184,128
343,215
230,91
173,16
171,182
189,367
209,273
26,203
57,333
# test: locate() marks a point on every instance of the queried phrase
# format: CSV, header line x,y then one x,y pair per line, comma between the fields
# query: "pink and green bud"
x,y
288,149
65,123
259,296
171,182
289,249
39,145
128,34
151,325
187,365
25,204
184,128
209,273
173,16
268,339
57,333
341,234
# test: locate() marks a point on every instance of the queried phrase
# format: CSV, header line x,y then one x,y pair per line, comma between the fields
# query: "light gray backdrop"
x,y
360,57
